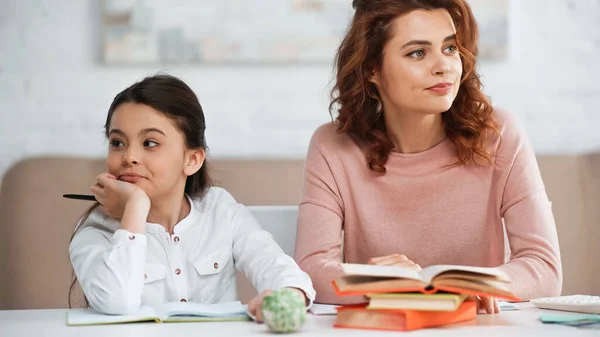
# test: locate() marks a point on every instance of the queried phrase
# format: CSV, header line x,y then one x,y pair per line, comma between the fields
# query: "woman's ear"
x,y
375,78
194,161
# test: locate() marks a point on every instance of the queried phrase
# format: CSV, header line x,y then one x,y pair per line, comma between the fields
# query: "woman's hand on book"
x,y
397,260
489,304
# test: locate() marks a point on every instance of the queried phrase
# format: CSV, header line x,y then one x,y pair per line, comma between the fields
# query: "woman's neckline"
x,y
435,148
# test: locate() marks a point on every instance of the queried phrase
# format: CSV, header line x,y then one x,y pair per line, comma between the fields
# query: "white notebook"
x,y
323,309
169,312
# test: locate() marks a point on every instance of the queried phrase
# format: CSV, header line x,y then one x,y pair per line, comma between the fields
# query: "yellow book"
x,y
416,301
169,312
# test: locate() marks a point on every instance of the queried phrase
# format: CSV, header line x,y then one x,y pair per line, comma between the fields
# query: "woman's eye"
x,y
451,49
150,143
417,53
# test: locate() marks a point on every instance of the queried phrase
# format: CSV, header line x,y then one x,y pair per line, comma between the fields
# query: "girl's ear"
x,y
194,161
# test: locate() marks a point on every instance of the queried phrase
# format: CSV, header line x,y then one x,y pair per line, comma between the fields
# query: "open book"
x,y
361,279
169,312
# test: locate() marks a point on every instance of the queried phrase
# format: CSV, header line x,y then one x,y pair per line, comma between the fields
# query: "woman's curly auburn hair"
x,y
469,121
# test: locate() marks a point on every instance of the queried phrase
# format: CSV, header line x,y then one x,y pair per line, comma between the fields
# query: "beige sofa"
x,y
37,222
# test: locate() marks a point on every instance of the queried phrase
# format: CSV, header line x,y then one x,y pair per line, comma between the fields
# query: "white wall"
x,y
54,94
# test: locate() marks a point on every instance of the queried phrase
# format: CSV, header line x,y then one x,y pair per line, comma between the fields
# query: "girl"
x,y
161,233
418,168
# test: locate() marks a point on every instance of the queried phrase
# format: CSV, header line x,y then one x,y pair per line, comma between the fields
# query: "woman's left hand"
x,y
255,305
489,304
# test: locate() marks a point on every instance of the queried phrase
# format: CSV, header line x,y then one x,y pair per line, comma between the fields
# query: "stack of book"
x,y
404,299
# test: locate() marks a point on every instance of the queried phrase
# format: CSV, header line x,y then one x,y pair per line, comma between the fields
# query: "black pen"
x,y
80,197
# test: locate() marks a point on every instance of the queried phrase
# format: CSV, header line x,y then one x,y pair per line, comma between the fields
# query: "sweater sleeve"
x,y
534,265
320,223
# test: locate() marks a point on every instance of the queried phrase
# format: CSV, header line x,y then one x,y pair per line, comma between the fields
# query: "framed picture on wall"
x,y
137,32
222,31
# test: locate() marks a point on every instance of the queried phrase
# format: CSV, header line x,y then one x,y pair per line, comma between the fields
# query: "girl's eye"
x,y
150,143
116,143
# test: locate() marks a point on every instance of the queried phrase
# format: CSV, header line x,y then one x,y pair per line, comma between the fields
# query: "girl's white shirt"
x,y
119,270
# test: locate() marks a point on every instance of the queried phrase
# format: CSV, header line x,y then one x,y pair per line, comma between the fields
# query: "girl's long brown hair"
x,y
469,122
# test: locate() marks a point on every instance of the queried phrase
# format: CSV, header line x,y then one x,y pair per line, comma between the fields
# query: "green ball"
x,y
283,311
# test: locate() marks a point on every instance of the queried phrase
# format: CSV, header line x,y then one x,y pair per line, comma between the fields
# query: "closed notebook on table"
x,y
169,312
359,317
416,301
362,279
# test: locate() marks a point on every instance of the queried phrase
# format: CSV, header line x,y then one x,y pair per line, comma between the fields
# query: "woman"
x,y
418,169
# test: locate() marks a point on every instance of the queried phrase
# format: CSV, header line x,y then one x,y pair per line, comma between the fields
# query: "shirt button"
x,y
176,239
177,271
145,276
132,237
183,300
216,265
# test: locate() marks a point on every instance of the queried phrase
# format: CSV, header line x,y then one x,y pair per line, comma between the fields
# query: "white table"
x,y
53,323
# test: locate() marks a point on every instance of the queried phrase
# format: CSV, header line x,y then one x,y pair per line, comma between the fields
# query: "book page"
x,y
489,288
431,272
507,306
353,269
368,284
189,309
89,316
410,301
420,296
323,309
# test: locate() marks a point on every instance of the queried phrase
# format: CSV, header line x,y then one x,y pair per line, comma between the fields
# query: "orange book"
x,y
362,279
359,317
